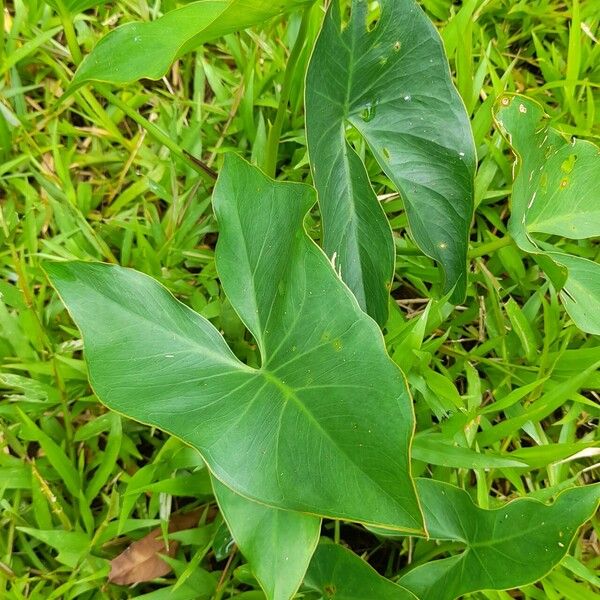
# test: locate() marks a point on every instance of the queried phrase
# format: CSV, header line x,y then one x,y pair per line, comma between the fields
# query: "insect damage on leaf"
x,y
556,192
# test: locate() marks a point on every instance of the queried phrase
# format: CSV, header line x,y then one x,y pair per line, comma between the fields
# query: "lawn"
x,y
120,166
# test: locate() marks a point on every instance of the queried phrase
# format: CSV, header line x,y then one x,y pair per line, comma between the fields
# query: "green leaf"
x,y
72,546
581,291
393,85
504,548
545,405
109,460
278,544
200,585
337,573
556,273
542,456
301,432
197,484
146,50
432,449
556,188
556,192
74,7
55,454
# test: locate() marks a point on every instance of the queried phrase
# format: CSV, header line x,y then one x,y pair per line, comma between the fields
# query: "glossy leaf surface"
x,y
337,573
393,85
278,544
299,433
556,192
146,50
504,548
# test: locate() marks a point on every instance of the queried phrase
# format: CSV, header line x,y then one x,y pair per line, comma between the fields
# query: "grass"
x,y
80,178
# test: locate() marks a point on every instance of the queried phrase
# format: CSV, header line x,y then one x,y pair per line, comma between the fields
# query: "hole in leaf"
x,y
373,16
368,112
345,14
568,164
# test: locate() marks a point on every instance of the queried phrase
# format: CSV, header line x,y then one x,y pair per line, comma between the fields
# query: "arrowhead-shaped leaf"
x,y
556,192
323,427
504,548
278,544
337,573
393,85
147,50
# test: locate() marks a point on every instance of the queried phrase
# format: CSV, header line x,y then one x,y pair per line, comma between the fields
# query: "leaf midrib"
x,y
290,393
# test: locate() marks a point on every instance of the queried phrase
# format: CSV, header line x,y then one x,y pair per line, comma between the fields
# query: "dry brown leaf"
x,y
141,560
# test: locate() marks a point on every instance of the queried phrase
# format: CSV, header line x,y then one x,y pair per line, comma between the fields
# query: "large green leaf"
x,y
337,573
147,50
504,548
393,85
323,427
278,544
556,192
